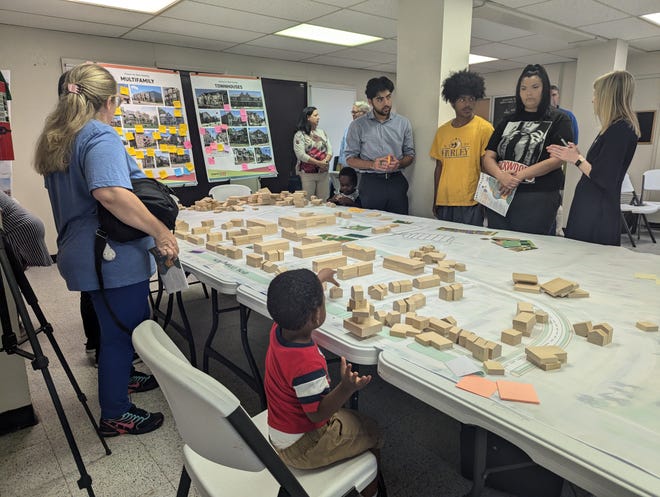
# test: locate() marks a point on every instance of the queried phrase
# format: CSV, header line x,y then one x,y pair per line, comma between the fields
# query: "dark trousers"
x,y
469,214
90,321
385,192
529,212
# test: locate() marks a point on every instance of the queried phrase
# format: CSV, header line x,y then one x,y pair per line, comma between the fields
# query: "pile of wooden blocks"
x,y
361,323
546,357
412,303
598,334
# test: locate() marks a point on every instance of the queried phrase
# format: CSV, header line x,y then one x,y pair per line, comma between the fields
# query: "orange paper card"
x,y
477,384
519,392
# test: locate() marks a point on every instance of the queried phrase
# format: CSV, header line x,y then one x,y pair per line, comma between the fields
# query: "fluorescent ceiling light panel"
x,y
148,6
478,59
655,18
327,35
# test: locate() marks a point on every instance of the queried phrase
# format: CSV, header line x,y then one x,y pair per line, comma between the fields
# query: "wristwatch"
x,y
579,161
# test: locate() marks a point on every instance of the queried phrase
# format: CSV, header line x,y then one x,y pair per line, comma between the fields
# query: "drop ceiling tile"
x,y
494,66
329,60
296,10
624,29
59,24
286,43
340,3
571,53
475,42
542,58
385,46
201,30
176,39
383,68
501,51
267,53
221,16
634,7
650,44
572,13
358,22
76,11
492,31
365,55
540,43
384,8
518,3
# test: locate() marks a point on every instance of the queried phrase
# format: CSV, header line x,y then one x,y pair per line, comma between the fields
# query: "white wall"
x,y
34,58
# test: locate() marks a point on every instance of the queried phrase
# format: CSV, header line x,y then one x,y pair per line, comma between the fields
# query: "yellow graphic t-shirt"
x,y
460,150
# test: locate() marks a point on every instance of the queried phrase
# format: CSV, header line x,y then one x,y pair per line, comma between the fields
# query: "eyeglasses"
x,y
464,99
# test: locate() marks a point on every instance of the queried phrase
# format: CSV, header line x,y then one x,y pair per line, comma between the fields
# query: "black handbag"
x,y
156,197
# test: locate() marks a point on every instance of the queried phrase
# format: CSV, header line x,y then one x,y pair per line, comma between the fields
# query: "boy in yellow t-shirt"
x,y
457,149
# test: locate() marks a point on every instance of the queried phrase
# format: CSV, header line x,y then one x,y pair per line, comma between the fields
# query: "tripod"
x,y
20,288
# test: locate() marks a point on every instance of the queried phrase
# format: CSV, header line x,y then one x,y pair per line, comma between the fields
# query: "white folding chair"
x,y
633,207
223,192
226,452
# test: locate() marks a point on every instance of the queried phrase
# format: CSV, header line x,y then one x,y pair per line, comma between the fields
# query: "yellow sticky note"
x,y
190,166
129,135
131,151
148,173
645,276
163,174
151,152
155,135
119,131
177,113
180,151
176,104
162,128
172,130
118,111
123,90
139,128
139,154
221,147
183,129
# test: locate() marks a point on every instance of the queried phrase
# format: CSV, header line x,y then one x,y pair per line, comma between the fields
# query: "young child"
x,y
348,194
306,422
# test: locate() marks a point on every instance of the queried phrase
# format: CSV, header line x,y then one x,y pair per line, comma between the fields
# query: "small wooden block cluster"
x,y
559,287
412,303
598,334
647,325
481,349
354,270
451,292
388,318
523,323
293,234
358,252
378,291
361,323
306,221
493,367
318,248
403,264
523,282
332,262
401,286
546,357
427,281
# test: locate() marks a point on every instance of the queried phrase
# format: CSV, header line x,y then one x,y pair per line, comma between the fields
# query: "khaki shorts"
x,y
347,434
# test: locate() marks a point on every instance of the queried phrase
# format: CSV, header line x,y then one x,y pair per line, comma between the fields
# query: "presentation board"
x,y
233,126
152,123
502,107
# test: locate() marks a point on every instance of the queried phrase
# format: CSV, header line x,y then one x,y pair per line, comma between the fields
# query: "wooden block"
x,y
432,257
314,249
376,230
394,287
253,260
237,222
245,239
424,338
582,329
269,267
380,316
276,244
418,322
511,337
464,336
606,328
416,301
311,239
524,287
233,252
346,272
215,236
453,334
359,252
494,349
446,293
212,246
195,239
399,330
332,262
457,289
400,306
362,312
274,255
441,343
479,349
181,225
269,228
344,215
208,222
357,293
378,292
559,287
493,367
403,264
392,318
544,355
541,316
447,275
459,266
524,307
524,322
528,279
450,319
370,327
405,286
336,292
647,325
598,337
200,230
364,268
292,234
578,293
427,281
181,235
439,326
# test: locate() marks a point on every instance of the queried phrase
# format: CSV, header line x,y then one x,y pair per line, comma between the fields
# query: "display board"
x,y
152,123
502,107
233,126
5,165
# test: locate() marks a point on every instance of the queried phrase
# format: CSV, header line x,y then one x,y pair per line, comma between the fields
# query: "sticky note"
x,y
129,135
214,146
227,107
211,161
162,128
244,166
271,168
217,128
224,127
139,154
190,166
519,392
242,112
151,152
208,149
243,118
220,146
148,173
187,144
645,276
123,90
163,174
183,129
180,151
178,171
119,131
202,131
172,130
477,384
227,148
177,104
118,111
131,151
155,135
139,128
177,113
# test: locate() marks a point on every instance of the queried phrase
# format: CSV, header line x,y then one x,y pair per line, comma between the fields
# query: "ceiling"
x,y
517,32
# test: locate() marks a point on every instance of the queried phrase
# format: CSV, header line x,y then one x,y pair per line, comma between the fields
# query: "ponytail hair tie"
x,y
73,88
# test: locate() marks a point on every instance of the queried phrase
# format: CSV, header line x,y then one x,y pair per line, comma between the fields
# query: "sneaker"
x,y
141,382
135,421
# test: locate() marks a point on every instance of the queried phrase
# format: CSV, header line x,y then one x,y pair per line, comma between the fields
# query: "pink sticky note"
x,y
227,107
214,146
202,131
187,144
243,112
207,150
243,117
271,168
244,166
217,128
211,161
223,127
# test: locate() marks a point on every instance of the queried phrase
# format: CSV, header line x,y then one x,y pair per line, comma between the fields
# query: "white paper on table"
x,y
462,366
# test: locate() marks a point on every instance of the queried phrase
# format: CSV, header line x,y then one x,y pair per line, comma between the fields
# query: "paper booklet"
x,y
488,194
170,272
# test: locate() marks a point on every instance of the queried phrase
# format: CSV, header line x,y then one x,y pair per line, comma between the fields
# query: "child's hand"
x,y
352,379
328,275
